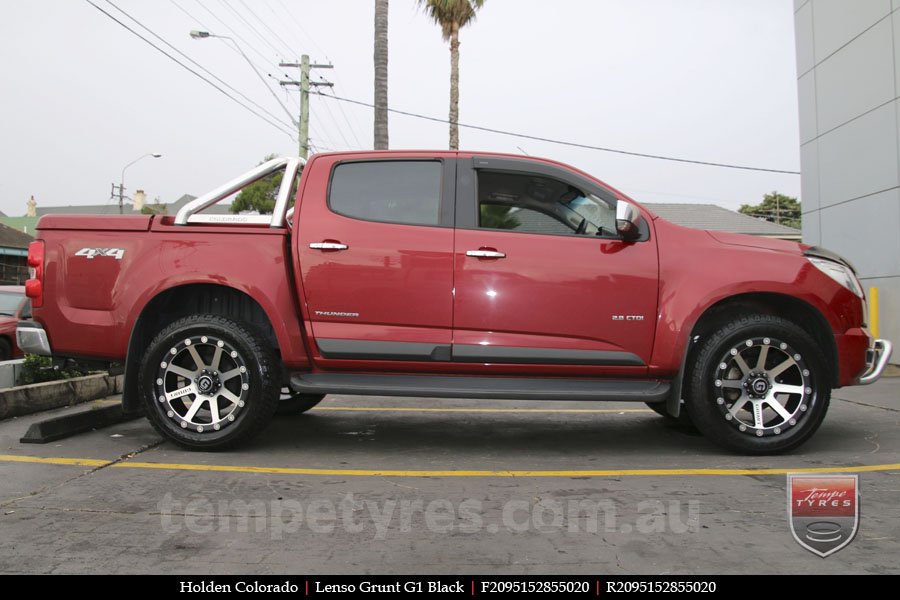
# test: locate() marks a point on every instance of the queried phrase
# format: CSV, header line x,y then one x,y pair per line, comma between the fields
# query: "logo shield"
x,y
823,511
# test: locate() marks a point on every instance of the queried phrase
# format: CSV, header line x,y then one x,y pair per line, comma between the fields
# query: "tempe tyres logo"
x,y
823,511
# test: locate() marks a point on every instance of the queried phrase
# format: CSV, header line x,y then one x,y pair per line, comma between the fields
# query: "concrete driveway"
x,y
400,485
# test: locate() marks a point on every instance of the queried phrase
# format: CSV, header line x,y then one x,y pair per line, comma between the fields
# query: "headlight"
x,y
839,273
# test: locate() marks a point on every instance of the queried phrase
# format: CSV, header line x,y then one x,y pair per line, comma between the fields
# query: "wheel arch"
x,y
181,301
805,315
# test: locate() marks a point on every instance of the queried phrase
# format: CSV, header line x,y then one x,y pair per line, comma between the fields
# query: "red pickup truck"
x,y
448,274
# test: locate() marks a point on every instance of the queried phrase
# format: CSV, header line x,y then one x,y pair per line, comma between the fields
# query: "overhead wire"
x,y
276,124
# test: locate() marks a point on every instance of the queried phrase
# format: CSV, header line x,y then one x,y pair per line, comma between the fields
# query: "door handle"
x,y
485,253
328,246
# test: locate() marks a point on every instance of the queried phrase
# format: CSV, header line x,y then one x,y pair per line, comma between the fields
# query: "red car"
x,y
14,305
448,274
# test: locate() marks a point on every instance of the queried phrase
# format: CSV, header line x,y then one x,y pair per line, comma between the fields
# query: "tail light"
x,y
34,287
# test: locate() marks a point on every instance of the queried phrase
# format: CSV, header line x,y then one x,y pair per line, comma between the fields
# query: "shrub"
x,y
37,369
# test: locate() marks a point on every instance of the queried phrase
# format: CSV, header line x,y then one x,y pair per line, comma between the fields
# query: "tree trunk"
x,y
454,86
381,75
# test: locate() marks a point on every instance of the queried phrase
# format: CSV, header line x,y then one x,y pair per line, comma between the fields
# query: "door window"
x,y
534,204
407,192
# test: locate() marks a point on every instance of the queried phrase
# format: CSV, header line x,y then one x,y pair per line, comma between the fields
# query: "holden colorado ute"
x,y
447,274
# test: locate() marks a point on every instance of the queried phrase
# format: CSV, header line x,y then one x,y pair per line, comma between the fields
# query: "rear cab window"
x,y
389,191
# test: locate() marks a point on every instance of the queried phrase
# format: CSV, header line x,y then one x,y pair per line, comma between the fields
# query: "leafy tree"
x,y
452,15
259,195
495,216
776,208
157,208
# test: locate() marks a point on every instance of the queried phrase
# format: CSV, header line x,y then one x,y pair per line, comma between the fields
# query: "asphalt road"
x,y
399,485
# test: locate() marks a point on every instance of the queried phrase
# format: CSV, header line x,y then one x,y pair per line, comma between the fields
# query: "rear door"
x,y
541,278
375,251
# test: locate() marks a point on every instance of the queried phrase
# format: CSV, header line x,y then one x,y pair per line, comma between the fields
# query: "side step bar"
x,y
494,388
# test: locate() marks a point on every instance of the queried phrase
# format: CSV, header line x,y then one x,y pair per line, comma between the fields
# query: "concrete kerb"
x,y
27,399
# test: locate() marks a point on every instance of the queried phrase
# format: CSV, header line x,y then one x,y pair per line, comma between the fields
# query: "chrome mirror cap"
x,y
628,220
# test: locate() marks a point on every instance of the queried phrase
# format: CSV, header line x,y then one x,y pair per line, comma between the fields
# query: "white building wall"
x,y
848,81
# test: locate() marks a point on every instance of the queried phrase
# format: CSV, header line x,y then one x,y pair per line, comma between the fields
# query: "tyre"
x,y
208,382
5,349
759,385
292,403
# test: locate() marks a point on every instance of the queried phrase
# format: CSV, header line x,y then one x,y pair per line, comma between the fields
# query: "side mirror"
x,y
628,220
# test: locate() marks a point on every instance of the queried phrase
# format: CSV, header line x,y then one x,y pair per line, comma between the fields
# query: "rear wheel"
x,y
759,386
207,382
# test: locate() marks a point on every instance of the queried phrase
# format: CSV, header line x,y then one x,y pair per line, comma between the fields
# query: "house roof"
x,y
716,218
13,238
23,224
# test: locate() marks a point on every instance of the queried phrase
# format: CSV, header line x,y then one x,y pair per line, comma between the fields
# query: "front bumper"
x,y
32,338
876,360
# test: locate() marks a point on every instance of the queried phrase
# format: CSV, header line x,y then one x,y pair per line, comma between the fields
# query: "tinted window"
x,y
392,191
535,204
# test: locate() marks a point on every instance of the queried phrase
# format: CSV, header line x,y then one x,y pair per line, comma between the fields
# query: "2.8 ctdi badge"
x,y
823,511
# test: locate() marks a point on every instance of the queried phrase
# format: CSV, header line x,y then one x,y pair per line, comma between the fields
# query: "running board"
x,y
494,388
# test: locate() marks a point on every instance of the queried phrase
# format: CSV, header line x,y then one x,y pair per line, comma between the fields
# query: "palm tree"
x,y
381,74
452,15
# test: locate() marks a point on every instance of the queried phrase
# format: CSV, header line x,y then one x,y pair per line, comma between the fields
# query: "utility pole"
x,y
118,191
304,84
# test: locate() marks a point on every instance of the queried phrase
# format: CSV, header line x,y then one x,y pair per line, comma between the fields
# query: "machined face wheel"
x,y
763,387
202,383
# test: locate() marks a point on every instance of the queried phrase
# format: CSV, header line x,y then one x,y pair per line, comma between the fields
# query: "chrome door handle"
x,y
328,246
485,254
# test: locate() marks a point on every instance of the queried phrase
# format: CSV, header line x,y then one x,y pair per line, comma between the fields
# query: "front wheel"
x,y
207,382
759,385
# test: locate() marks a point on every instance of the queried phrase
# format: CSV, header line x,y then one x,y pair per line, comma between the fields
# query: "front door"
x,y
542,279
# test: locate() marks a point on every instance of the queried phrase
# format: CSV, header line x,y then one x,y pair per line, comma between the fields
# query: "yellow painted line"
x,y
444,472
75,462
483,410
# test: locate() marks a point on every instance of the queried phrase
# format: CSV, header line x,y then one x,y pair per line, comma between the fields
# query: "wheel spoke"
x,y
217,357
196,356
732,384
742,364
783,388
763,354
758,421
778,407
214,409
195,407
738,405
180,392
781,368
223,377
229,395
186,373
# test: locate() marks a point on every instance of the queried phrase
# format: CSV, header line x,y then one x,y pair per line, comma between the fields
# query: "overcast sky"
x,y
699,79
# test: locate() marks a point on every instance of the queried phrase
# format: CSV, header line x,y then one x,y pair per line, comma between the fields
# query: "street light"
x,y
122,178
202,35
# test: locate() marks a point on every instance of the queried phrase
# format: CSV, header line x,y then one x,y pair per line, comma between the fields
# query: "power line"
x,y
565,143
252,28
238,36
269,29
198,65
190,70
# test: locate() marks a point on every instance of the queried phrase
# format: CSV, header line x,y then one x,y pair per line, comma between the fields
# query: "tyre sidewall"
x,y
700,400
261,398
